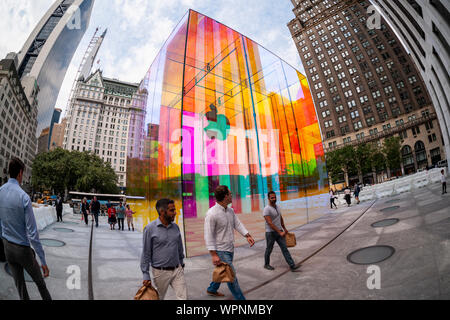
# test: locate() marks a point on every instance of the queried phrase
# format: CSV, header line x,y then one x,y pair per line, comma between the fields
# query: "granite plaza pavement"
x,y
418,269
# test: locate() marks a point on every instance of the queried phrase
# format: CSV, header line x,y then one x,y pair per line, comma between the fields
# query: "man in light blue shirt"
x,y
18,231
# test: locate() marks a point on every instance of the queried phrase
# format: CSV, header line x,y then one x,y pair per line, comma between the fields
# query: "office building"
x,y
364,84
48,51
424,27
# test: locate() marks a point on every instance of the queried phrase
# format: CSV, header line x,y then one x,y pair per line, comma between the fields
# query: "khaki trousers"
x,y
163,278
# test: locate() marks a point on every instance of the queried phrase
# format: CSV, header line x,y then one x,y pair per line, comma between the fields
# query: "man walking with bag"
x,y
220,223
163,250
18,227
275,231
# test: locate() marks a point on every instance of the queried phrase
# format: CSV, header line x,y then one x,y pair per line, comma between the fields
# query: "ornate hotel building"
x,y
98,120
365,85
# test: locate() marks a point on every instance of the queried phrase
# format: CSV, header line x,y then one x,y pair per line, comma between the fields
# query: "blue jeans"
x,y
227,257
271,238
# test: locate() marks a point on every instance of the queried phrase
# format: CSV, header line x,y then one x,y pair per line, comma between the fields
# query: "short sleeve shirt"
x,y
275,215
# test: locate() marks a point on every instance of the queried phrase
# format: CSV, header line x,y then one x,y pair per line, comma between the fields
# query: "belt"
x,y
166,268
19,245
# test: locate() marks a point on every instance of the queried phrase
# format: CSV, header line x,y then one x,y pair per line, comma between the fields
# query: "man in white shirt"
x,y
443,181
220,223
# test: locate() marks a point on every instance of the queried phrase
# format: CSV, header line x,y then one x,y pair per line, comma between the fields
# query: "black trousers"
x,y
332,203
2,252
348,199
59,215
20,258
96,218
85,218
444,187
121,222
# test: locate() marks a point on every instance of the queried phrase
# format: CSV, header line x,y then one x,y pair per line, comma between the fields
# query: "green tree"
x,y
392,151
364,159
341,161
61,171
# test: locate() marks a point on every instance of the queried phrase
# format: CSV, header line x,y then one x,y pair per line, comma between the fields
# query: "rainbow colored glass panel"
x,y
221,110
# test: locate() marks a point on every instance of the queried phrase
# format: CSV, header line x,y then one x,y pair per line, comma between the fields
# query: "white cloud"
x,y
137,29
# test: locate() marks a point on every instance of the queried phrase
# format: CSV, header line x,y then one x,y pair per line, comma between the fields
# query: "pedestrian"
x,y
220,223
59,208
85,210
19,232
120,215
112,217
443,181
356,193
163,250
347,195
95,210
129,214
332,198
275,232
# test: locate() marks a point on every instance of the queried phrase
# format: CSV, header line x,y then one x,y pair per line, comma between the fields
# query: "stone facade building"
x,y
424,26
18,122
365,85
98,120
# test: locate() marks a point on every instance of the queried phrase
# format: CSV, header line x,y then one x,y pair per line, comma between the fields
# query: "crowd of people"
x,y
116,214
163,247
162,242
347,195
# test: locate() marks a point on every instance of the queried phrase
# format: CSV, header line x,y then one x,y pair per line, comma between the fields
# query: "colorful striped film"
x,y
222,110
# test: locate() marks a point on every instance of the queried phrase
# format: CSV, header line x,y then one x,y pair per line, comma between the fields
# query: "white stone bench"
x,y
384,190
367,194
46,215
402,186
420,182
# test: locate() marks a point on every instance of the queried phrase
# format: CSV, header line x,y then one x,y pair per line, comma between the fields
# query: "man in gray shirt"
x,y
163,250
275,231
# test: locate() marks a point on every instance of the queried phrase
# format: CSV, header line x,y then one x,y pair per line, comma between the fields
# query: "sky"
x,y
137,29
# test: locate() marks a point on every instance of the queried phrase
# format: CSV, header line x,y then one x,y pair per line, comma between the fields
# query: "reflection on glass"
x,y
222,110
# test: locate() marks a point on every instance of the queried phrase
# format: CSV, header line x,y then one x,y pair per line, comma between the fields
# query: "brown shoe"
x,y
215,294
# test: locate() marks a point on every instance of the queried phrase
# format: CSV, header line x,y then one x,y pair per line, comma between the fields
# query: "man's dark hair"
x,y
15,166
221,192
163,204
271,192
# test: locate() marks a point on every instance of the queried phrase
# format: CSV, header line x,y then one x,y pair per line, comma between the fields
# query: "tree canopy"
x,y
363,159
61,171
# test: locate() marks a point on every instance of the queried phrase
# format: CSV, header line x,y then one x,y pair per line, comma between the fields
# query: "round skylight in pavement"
x,y
52,243
390,209
371,255
63,230
392,201
385,223
26,275
71,222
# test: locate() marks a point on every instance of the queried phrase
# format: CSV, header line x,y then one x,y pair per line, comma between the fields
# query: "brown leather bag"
x,y
223,273
291,241
147,293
